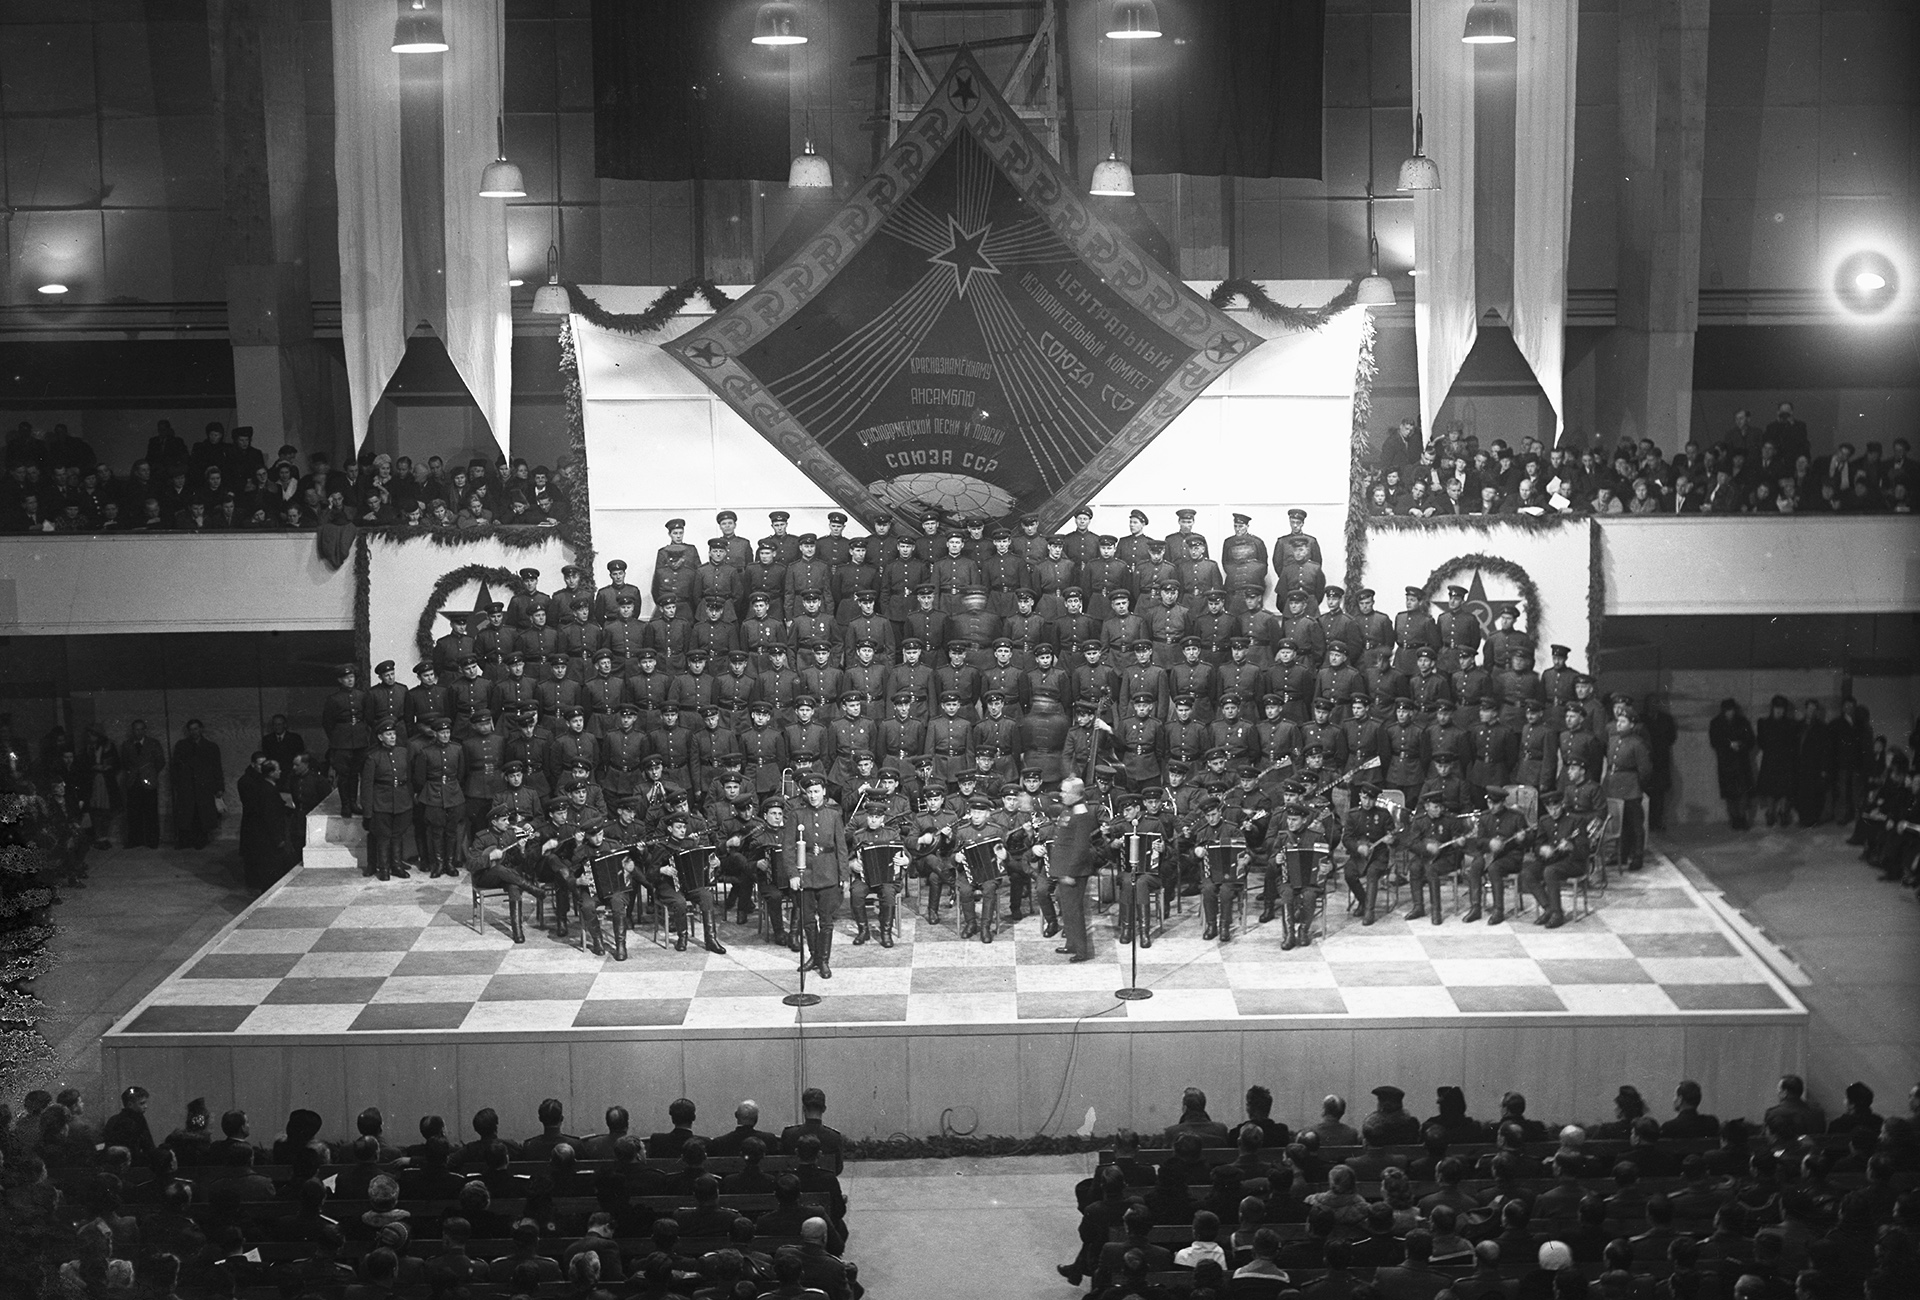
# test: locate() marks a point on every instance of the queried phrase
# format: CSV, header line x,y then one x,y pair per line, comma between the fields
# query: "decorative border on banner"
x,y
1297,319
450,582
966,99
1364,371
1529,593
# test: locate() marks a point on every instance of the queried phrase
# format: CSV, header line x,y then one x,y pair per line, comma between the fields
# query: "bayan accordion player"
x,y
980,862
1139,851
880,864
1223,860
698,868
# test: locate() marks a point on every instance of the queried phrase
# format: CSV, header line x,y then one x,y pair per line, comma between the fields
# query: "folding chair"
x,y
480,897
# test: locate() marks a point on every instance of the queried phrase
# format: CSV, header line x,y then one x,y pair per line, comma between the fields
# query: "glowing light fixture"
x,y
502,179
1489,23
809,170
778,23
1134,20
1375,290
53,289
1866,282
1419,172
417,30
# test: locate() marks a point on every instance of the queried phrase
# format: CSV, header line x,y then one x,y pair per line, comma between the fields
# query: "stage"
x,y
334,991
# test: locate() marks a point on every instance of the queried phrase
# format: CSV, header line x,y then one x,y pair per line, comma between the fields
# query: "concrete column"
x,y
281,380
1645,369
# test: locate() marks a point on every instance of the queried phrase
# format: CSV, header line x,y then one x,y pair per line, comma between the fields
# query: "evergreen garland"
x,y
570,476
1596,592
1297,319
1364,371
30,852
449,583
658,313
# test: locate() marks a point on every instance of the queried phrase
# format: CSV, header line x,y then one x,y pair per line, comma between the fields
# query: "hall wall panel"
x,y
1062,1076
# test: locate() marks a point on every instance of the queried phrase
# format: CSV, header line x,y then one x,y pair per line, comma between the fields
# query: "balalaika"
x,y
980,862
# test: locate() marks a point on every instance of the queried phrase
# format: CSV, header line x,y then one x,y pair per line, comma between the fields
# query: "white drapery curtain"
x,y
479,307
1445,314
473,308
1549,32
366,170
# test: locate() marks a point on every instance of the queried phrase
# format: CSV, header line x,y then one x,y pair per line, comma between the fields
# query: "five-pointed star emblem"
x,y
963,92
706,354
964,254
1223,348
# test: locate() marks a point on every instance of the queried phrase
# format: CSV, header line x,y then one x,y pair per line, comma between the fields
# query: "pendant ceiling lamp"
x,y
1112,178
809,170
778,23
1375,290
550,299
502,179
1134,20
417,30
1489,22
1419,172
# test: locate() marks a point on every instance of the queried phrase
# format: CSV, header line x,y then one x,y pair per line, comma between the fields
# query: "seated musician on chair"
x,y
1299,854
927,835
978,873
678,878
877,875
490,858
1224,853
1436,851
1135,844
752,855
601,879
1369,841
1560,852
1494,853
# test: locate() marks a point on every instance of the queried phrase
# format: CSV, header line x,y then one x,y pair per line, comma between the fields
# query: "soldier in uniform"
x,y
901,575
488,864
1199,576
1299,572
1628,775
427,699
1559,852
580,638
1367,836
806,573
1470,681
1181,541
1578,741
1240,675
1516,684
603,874
539,638
343,717
1429,687
1139,741
1214,627
1495,749
513,692
574,744
1336,625
606,601
1233,733
601,696
1243,557
573,593
1376,629
737,551
1459,629
1413,629
387,699
1557,682
872,830
622,754
753,855
763,751
973,626
816,849
1407,753
521,800
482,755
1493,853
456,645
667,634
1299,851
1538,752
676,885
1221,881
389,802
1436,851
784,545
1296,531
979,888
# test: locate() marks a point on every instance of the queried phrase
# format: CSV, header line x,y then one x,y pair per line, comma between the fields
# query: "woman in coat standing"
x,y
1731,736
1778,739
1812,765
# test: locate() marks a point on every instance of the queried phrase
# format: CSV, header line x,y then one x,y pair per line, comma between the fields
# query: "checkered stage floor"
x,y
328,951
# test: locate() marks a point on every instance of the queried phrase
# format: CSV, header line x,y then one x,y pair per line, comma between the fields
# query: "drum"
x,y
1139,850
880,863
978,858
699,868
1223,860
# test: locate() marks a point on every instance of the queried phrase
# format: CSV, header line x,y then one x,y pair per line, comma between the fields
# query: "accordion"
x,y
979,861
699,868
1223,860
880,863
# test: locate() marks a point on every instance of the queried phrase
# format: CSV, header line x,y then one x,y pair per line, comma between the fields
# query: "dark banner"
x,y
680,92
966,334
1233,90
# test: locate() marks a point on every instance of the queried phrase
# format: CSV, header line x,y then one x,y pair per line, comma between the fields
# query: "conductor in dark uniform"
x,y
389,802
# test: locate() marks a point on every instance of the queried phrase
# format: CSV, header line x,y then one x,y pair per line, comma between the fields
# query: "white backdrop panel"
x,y
401,576
1557,561
1273,434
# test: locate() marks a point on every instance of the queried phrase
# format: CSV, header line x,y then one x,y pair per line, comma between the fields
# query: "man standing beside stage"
x,y
816,824
1070,862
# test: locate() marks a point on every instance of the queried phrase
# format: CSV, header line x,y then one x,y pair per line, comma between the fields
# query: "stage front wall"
x,y
1274,432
